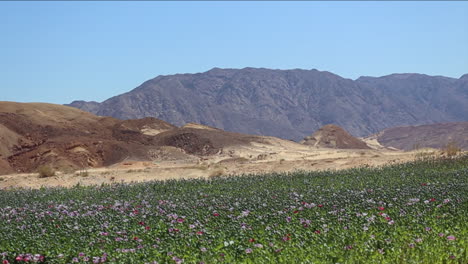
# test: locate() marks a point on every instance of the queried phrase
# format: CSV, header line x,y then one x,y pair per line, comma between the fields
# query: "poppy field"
x,y
403,213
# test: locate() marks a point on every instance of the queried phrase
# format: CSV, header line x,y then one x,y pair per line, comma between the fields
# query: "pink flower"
x,y
248,250
451,238
215,214
381,208
5,262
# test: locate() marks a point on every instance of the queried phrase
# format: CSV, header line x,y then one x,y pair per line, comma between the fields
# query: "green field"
x,y
407,213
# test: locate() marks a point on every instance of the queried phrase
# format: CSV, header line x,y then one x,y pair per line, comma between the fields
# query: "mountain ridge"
x,y
291,103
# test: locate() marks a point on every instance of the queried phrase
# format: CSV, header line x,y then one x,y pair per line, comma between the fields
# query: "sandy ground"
x,y
272,156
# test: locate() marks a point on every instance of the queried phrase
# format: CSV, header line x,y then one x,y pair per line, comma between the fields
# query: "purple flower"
x,y
451,238
248,250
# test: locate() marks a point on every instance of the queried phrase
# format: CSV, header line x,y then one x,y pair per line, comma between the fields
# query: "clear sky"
x,y
63,51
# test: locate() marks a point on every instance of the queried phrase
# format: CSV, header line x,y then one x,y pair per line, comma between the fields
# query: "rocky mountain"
x,y
331,136
291,103
35,134
432,136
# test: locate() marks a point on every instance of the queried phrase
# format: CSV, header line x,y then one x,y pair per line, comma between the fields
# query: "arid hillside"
x,y
332,136
425,136
35,134
62,137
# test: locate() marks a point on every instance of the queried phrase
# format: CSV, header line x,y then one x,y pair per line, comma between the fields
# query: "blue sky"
x,y
58,52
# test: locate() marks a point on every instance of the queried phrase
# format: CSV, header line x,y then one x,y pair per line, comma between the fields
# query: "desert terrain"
x,y
273,156
82,148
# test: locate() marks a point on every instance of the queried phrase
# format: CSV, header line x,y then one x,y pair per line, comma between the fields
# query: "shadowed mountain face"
x,y
291,103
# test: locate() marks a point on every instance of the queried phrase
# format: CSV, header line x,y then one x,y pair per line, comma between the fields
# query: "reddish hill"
x,y
35,134
332,136
63,137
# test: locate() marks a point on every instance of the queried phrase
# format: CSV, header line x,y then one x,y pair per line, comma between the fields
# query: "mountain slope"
x,y
35,134
331,136
433,136
291,103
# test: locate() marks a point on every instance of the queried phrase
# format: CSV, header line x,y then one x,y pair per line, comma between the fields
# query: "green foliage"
x,y
404,213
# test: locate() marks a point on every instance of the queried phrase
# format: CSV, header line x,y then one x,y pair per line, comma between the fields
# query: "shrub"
x,y
216,173
82,173
45,171
452,149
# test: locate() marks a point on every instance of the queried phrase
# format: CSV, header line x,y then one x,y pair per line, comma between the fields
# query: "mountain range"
x,y
291,104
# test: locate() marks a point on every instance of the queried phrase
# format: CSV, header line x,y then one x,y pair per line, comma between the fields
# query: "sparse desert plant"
x,y
216,173
68,170
451,149
425,155
45,171
416,146
282,161
2,179
82,173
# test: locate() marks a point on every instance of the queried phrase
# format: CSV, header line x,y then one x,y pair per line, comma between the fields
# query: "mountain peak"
x,y
289,103
464,77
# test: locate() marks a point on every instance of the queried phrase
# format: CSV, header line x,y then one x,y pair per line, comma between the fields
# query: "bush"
x,y
45,171
452,149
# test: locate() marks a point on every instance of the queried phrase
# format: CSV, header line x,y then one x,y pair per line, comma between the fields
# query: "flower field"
x,y
406,213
